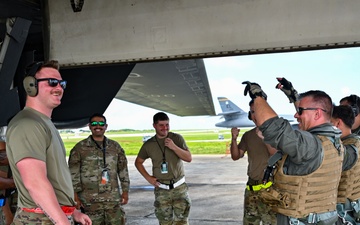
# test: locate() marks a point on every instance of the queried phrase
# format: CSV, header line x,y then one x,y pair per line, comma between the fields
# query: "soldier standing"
x,y
37,155
96,163
167,150
255,211
349,191
308,174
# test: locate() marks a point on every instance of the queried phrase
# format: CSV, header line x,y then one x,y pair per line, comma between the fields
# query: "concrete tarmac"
x,y
216,188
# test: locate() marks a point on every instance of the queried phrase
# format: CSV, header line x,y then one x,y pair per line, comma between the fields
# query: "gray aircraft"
x,y
154,58
236,117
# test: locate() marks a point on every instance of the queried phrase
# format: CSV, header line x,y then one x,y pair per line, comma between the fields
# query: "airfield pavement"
x,y
216,188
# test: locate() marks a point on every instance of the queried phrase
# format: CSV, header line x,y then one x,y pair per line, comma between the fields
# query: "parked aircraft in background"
x,y
236,117
121,49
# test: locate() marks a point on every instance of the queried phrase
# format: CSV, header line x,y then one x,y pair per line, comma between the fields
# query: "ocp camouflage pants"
x,y
21,217
256,211
106,213
172,207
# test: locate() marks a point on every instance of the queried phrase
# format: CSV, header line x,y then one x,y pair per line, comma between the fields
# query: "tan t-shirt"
x,y
258,154
31,134
155,149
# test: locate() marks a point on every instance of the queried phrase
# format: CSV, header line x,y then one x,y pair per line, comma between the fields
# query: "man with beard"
x,y
167,151
96,163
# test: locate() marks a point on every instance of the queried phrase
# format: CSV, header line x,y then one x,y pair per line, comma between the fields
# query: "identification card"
x,y
164,167
105,177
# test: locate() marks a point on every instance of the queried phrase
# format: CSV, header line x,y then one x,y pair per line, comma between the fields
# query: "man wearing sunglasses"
x,y
96,164
37,154
349,191
308,174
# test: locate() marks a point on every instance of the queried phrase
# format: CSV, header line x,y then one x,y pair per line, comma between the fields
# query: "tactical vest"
x,y
312,193
349,186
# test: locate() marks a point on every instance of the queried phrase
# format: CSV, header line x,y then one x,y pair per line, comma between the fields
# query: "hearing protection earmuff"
x,y
354,100
30,83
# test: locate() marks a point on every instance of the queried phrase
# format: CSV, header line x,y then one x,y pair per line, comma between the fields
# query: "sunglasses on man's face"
x,y
54,82
96,123
301,110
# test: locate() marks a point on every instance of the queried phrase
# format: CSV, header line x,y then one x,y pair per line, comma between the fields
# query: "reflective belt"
x,y
172,186
259,186
68,210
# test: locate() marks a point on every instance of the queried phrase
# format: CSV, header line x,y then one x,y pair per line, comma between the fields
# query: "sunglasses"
x,y
301,110
54,82
95,123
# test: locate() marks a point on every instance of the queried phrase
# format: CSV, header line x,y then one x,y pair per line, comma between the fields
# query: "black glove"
x,y
254,90
288,89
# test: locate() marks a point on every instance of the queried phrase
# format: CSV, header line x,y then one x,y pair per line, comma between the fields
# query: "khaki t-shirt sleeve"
x,y
243,145
30,141
143,153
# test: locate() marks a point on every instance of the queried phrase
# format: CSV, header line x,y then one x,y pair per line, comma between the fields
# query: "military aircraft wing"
x,y
179,87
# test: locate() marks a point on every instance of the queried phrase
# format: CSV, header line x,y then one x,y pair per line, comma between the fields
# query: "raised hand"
x,y
254,90
287,87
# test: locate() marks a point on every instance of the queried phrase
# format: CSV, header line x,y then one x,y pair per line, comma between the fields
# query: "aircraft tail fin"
x,y
228,107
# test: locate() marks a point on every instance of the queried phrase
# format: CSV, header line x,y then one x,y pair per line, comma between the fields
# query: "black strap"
x,y
274,158
103,148
162,150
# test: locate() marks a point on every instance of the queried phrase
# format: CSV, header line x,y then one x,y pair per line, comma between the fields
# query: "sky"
x,y
335,71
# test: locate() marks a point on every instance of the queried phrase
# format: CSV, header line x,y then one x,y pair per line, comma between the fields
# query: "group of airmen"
x,y
93,185
304,175
308,175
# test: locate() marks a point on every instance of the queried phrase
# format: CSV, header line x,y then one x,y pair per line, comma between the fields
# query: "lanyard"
x,y
103,149
162,150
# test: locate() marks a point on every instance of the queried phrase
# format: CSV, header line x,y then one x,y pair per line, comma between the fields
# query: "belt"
x,y
68,210
259,186
315,218
172,186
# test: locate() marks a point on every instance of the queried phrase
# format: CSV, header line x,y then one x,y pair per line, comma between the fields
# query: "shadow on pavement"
x,y
216,187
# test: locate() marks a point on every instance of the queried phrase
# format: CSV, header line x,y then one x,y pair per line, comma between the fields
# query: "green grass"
x,y
198,141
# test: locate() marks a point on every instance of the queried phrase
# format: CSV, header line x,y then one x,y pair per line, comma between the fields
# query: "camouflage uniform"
x,y
255,211
11,200
23,217
101,201
167,201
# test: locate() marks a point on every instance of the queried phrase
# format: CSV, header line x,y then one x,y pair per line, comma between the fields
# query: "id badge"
x,y
164,167
105,177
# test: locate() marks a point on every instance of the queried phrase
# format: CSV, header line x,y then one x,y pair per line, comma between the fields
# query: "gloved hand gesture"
x,y
254,90
288,89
